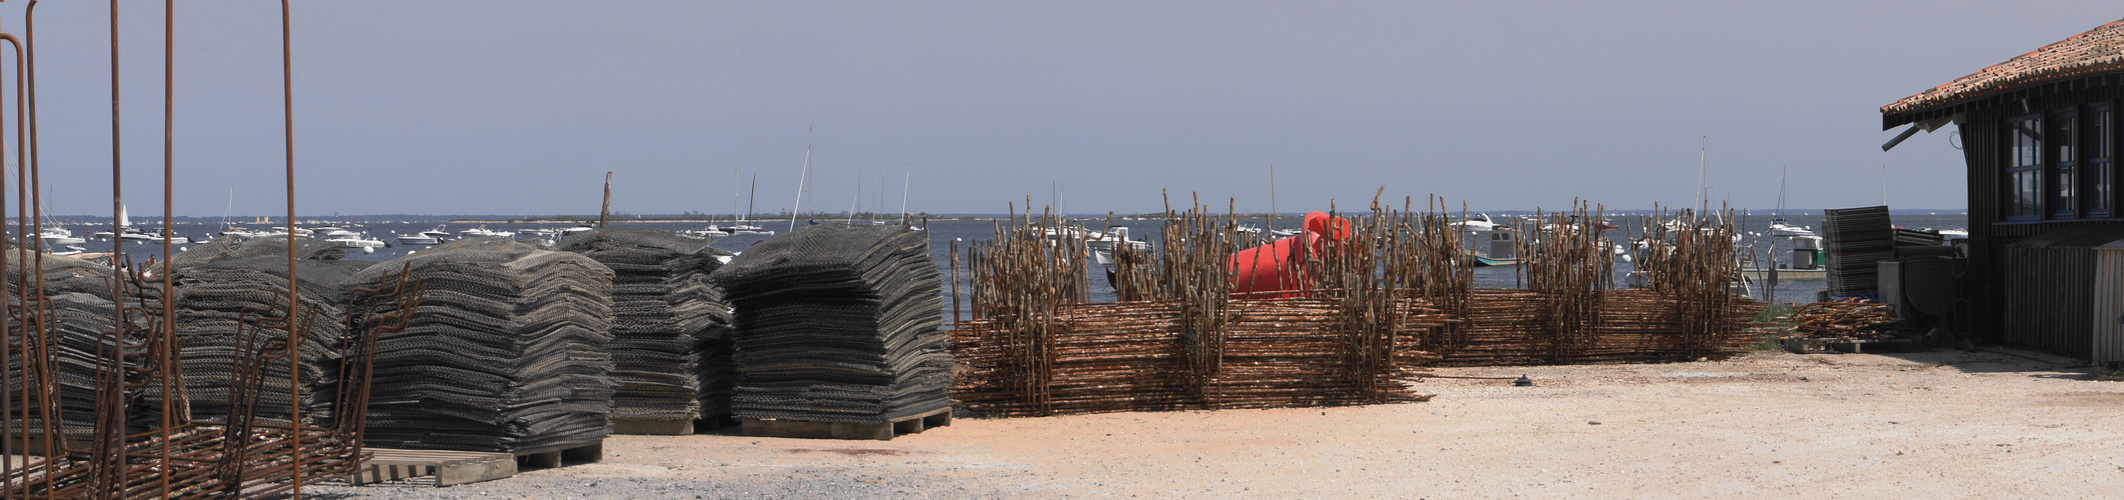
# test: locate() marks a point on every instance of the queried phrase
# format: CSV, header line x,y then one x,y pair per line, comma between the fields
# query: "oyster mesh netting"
x,y
218,280
838,323
507,351
670,329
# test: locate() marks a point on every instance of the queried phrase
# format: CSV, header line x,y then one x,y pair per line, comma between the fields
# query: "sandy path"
x,y
1943,423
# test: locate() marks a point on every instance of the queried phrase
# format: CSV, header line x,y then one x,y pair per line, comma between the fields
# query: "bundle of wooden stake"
x,y
1848,319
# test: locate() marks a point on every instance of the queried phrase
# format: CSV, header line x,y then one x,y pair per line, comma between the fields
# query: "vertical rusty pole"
x,y
169,179
37,323
287,92
7,408
119,263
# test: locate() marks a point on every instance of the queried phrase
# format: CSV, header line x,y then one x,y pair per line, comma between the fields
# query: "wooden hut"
x,y
2040,134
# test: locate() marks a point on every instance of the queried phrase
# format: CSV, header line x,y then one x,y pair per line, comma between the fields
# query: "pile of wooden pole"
x,y
1136,357
1355,314
1516,327
1181,339
1848,319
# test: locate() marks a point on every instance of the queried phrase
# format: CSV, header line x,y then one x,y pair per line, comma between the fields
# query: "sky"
x,y
521,106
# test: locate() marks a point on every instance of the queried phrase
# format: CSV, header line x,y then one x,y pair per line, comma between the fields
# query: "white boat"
x,y
746,229
1102,245
357,241
710,231
1778,225
483,231
440,233
1479,223
1781,228
333,232
576,229
146,237
54,235
417,239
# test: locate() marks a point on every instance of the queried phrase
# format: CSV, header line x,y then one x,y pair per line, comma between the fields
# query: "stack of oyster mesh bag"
x,y
838,323
670,328
227,287
507,351
80,316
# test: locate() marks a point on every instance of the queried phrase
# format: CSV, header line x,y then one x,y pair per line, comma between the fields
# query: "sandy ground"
x,y
1943,423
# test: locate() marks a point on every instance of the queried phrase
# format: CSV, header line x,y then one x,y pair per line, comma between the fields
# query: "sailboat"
x,y
1778,225
127,232
742,227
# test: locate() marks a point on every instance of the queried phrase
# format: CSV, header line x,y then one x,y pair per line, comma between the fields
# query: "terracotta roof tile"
x,y
2097,51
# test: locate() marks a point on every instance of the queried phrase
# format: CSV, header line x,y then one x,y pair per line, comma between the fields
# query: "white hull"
x,y
418,240
358,243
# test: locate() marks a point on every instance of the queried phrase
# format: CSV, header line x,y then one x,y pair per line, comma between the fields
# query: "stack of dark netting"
x,y
217,281
1857,239
81,317
838,323
506,352
670,329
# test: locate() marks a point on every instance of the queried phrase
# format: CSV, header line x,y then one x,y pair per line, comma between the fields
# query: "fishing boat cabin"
x,y
2040,137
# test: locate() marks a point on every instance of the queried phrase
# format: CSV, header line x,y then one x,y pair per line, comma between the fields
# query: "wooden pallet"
x,y
649,427
561,454
453,467
449,467
829,430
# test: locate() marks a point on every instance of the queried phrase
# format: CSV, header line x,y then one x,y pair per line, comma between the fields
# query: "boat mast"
x,y
805,174
1782,176
905,182
857,202
1703,152
749,198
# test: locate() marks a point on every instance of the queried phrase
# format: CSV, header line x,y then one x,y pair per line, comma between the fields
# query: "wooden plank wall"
x,y
1992,299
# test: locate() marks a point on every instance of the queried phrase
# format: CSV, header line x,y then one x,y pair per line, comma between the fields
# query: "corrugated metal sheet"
x,y
2108,320
2049,281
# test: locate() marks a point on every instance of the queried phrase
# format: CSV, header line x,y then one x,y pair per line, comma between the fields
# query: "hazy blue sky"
x,y
519,107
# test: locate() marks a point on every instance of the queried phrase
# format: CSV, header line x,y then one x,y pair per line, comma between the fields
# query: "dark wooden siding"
x,y
2003,309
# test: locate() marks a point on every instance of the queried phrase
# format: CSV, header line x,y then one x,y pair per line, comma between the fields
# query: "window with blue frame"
x,y
2098,146
2064,166
2024,167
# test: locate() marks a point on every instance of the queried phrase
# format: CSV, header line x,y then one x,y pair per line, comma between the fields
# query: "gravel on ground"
x,y
1939,423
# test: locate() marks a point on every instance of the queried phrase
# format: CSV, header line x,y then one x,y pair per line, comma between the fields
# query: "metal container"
x,y
2109,303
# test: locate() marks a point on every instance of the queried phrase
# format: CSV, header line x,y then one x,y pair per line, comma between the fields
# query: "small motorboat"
x,y
1781,228
1479,223
60,236
747,229
483,231
358,241
417,239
